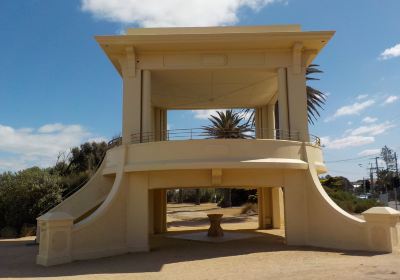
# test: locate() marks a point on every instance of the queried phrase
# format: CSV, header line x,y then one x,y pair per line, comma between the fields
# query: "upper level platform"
x,y
215,154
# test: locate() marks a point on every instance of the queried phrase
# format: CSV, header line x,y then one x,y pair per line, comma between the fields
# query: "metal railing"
x,y
201,133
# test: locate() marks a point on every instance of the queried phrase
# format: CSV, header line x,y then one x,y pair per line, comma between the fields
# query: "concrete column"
x,y
151,212
146,107
55,239
164,124
277,208
283,100
257,120
264,208
296,216
160,211
131,110
262,122
297,99
271,120
137,213
157,124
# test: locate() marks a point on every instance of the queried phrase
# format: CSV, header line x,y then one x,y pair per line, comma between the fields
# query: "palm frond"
x,y
228,124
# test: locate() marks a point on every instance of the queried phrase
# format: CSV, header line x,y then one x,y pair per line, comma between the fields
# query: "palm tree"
x,y
228,124
231,125
315,98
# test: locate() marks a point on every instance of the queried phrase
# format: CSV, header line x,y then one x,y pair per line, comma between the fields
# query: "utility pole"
x,y
397,176
376,166
377,171
364,185
371,177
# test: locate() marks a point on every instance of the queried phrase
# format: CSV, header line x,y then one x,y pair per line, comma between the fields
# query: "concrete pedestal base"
x,y
215,229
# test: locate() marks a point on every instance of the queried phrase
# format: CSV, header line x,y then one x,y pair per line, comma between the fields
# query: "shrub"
x,y
25,194
349,202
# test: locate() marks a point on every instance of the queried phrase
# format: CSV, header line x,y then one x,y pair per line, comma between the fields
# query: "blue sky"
x,y
57,88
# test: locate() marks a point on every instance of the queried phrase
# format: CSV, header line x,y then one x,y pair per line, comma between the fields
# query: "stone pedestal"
x,y
382,229
55,239
215,229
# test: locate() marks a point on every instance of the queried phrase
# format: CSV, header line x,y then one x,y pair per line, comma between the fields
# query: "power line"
x,y
351,159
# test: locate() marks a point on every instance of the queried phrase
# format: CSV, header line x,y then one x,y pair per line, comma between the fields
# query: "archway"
x,y
175,213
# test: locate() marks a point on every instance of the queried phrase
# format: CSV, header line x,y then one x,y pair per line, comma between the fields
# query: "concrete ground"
x,y
262,257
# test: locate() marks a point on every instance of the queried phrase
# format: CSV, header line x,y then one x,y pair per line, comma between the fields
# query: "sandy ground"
x,y
263,257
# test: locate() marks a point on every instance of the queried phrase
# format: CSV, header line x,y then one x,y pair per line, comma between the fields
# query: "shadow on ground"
x,y
17,258
201,222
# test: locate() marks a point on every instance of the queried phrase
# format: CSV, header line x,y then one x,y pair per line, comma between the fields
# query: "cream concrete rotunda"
x,y
261,68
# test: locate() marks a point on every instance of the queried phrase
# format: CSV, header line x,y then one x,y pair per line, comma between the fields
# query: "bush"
x,y
25,194
349,202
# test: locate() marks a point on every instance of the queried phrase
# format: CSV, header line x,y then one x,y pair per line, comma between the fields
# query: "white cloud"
x,y
369,119
369,152
353,109
50,128
156,13
390,52
21,148
391,99
362,96
205,114
372,130
346,142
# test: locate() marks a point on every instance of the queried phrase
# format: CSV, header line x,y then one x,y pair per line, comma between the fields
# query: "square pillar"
x,y
160,211
271,121
55,239
264,129
137,216
147,116
297,100
278,214
164,122
296,208
264,208
160,124
131,110
283,103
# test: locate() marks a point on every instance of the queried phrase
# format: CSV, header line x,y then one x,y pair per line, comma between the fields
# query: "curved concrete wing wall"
x,y
90,195
102,233
121,223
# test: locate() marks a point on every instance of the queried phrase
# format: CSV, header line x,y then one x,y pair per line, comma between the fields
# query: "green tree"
x,y
25,194
81,163
315,98
228,124
387,155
